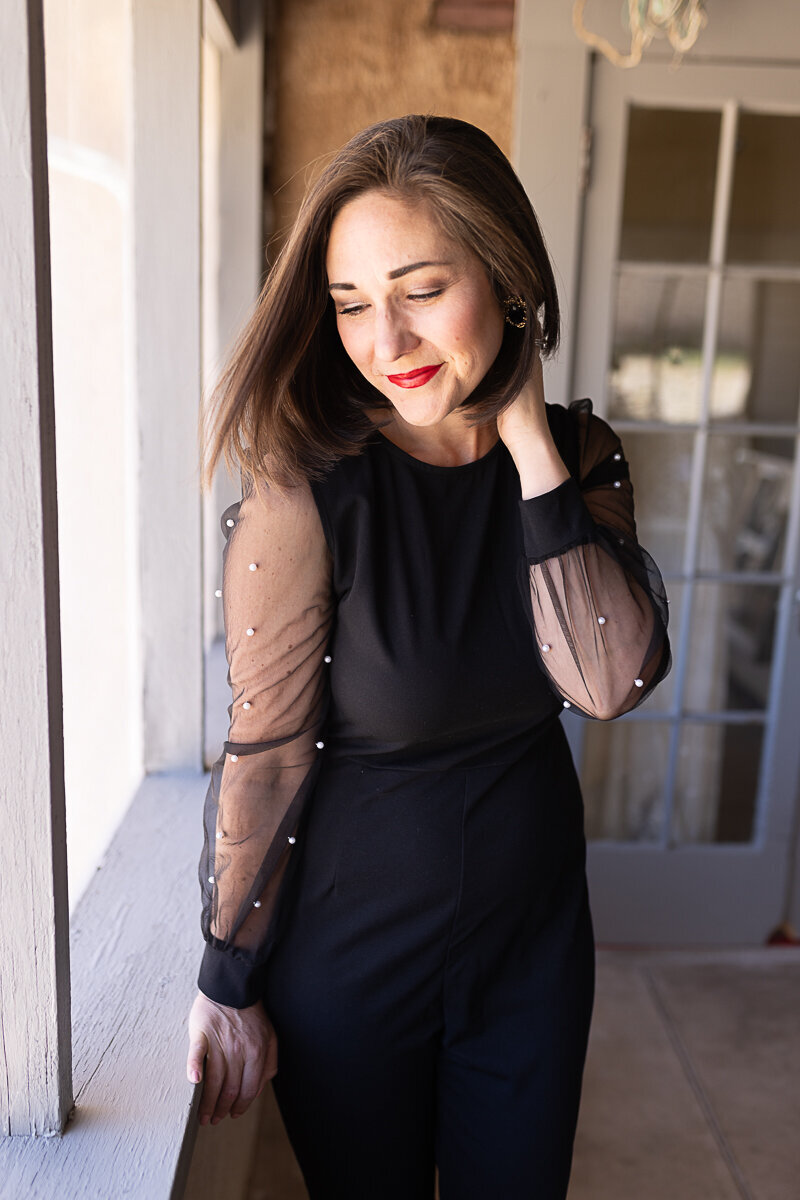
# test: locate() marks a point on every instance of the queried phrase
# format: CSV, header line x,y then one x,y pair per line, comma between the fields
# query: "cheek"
x,y
353,341
481,337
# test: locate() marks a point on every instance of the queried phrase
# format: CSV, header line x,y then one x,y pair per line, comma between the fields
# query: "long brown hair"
x,y
290,402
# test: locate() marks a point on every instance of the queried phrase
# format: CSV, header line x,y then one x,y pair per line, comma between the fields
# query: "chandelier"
x,y
680,21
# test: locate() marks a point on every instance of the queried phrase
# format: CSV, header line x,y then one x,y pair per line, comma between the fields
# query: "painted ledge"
x,y
135,944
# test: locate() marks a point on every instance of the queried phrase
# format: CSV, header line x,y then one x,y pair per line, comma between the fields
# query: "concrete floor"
x,y
692,1083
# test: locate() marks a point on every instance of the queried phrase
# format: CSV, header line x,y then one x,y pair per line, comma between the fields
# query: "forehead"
x,y
379,232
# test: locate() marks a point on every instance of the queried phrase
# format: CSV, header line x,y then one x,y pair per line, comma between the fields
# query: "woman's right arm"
x,y
276,595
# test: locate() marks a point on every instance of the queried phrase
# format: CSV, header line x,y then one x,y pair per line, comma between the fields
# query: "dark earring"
x,y
516,311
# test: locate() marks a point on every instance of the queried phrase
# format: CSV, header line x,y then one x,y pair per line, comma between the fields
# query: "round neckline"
x,y
393,448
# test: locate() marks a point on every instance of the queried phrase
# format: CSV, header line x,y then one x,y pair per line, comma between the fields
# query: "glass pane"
x,y
622,778
757,365
660,465
765,218
657,365
717,782
730,648
670,170
745,504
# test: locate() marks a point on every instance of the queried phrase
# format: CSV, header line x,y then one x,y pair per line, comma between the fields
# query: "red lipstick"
x,y
416,378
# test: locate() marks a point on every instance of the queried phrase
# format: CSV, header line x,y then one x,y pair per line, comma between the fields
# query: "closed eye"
x,y
425,295
355,310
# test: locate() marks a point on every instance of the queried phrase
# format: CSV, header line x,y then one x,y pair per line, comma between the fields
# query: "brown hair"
x,y
290,402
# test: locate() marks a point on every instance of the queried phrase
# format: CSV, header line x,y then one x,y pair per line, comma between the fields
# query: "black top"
x,y
411,614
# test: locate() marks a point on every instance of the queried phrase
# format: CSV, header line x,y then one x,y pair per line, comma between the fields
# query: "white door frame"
x,y
694,893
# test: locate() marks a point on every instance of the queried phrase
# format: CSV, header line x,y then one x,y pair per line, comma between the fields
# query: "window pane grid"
x,y
711,753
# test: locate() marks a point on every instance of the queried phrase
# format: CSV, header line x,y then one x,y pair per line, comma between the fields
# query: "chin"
x,y
424,414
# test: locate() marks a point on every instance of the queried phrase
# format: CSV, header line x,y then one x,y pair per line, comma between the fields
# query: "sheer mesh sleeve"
x,y
597,598
277,606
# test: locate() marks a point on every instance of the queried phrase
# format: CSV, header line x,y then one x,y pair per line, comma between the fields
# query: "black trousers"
x,y
433,985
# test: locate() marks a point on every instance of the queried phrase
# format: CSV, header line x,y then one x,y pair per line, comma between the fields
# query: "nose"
x,y
393,335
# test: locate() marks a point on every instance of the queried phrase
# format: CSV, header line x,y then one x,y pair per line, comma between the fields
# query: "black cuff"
x,y
227,979
556,521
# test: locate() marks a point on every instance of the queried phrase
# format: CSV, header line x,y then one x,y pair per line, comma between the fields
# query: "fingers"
x,y
251,1086
212,1086
229,1092
198,1048
240,1052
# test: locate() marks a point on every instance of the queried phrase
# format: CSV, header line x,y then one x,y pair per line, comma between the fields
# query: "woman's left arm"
x,y
597,599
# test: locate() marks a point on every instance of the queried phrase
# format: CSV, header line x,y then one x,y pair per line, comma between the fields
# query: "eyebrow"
x,y
397,273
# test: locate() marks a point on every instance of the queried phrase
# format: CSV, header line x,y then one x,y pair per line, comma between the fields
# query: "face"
x,y
415,311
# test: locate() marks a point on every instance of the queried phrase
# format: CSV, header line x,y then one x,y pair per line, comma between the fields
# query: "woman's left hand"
x,y
524,428
525,418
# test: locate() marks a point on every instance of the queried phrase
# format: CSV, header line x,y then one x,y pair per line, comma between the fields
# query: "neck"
x,y
443,445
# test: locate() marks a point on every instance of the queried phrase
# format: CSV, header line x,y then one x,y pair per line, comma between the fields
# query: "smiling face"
x,y
415,310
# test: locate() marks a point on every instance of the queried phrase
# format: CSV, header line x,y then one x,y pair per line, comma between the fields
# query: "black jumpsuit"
x,y
430,967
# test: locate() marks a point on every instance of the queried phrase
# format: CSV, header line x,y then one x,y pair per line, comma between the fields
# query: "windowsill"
x,y
135,950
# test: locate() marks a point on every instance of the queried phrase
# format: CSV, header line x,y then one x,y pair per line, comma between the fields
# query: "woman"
x,y
427,565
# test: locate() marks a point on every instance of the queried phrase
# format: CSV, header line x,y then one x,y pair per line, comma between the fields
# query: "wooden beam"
x,y
35,1058
165,36
553,80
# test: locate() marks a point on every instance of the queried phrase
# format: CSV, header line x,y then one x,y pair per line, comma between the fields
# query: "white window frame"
x,y
135,934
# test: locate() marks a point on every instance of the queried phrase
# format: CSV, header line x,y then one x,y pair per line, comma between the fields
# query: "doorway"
x,y
688,340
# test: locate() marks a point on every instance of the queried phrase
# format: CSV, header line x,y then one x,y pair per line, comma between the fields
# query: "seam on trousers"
x,y
457,909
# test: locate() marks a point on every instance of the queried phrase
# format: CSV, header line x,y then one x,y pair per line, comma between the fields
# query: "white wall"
x,y
87,52
233,254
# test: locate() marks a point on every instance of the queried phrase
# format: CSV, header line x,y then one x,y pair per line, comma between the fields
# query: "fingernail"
x,y
194,1076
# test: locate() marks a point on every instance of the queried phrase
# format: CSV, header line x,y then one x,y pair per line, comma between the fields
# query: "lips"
x,y
412,379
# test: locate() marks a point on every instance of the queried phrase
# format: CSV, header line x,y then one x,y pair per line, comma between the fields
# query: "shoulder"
x,y
281,522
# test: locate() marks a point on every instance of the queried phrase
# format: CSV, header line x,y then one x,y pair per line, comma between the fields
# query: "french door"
x,y
688,340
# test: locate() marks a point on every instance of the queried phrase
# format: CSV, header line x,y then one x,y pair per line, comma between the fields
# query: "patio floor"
x,y
692,1083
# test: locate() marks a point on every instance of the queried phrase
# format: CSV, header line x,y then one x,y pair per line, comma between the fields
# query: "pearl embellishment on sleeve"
x,y
639,682
601,620
234,758
253,567
218,593
230,522
247,705
250,632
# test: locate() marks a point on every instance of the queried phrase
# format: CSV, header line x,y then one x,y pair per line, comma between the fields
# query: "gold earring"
x,y
516,311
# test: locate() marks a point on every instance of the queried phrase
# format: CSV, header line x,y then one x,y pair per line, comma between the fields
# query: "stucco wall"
x,y
342,64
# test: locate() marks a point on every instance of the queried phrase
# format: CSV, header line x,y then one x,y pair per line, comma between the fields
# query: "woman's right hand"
x,y
241,1053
